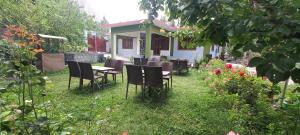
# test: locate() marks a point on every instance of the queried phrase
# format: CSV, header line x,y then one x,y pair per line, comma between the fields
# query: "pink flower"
x,y
125,133
232,133
217,71
228,66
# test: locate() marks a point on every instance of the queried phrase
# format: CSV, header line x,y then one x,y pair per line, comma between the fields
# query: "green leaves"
x,y
295,75
256,61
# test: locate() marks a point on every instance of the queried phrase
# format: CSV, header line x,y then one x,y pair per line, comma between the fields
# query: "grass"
x,y
189,109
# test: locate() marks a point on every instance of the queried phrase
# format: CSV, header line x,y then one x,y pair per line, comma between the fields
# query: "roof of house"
x,y
158,23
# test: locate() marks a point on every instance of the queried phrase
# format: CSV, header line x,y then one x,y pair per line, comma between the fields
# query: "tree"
x,y
53,17
270,28
102,30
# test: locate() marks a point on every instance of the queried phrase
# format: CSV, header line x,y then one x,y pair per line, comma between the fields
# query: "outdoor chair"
x,y
118,69
168,66
137,61
134,76
109,63
88,74
154,79
74,71
176,66
183,65
144,61
153,63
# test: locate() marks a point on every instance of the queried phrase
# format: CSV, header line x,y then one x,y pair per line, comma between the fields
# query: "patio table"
x,y
103,70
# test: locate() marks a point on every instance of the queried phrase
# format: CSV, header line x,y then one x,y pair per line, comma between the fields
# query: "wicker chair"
x,y
118,69
109,63
176,66
134,76
137,61
183,64
168,66
144,61
74,71
154,79
88,74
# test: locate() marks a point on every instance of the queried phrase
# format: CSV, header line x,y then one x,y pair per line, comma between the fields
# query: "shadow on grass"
x,y
184,74
88,90
154,100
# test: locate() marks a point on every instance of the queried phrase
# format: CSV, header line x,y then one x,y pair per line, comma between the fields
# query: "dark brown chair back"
x,y
175,64
74,69
137,61
134,74
153,63
167,66
86,71
183,64
153,76
144,61
118,65
109,63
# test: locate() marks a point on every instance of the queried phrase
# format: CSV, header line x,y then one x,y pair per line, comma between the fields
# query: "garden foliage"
x,y
269,27
251,101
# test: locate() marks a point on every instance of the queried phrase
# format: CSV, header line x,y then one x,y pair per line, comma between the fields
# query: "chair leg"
x,y
171,81
122,78
136,89
92,85
80,83
143,92
102,83
69,82
127,90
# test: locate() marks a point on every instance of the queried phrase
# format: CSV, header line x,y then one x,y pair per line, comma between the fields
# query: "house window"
x,y
127,43
182,45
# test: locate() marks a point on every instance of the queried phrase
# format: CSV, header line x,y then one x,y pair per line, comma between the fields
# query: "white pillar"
x,y
113,45
138,45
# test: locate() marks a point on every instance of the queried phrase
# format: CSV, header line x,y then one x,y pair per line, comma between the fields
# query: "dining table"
x,y
103,70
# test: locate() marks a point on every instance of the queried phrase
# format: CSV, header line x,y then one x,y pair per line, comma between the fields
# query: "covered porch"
x,y
141,39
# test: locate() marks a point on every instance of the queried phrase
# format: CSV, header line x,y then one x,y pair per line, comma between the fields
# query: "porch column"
x,y
113,45
148,41
138,45
170,45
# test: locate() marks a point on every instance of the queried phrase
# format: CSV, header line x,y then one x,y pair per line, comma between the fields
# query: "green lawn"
x,y
190,108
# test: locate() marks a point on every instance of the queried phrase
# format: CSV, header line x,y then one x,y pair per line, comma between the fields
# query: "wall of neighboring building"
x,y
191,55
215,51
127,53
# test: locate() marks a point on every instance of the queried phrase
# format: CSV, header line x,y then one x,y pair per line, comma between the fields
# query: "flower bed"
x,y
251,100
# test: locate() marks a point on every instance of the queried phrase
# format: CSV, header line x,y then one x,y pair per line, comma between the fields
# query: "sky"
x,y
114,10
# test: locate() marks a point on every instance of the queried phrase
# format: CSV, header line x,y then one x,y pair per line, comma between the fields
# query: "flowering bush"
x,y
250,101
26,85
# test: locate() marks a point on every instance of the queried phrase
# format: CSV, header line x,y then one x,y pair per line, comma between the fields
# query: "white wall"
x,y
127,53
216,51
164,53
191,55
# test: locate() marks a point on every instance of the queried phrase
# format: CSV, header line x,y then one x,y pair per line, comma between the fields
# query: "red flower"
x,y
242,73
228,66
217,71
125,133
